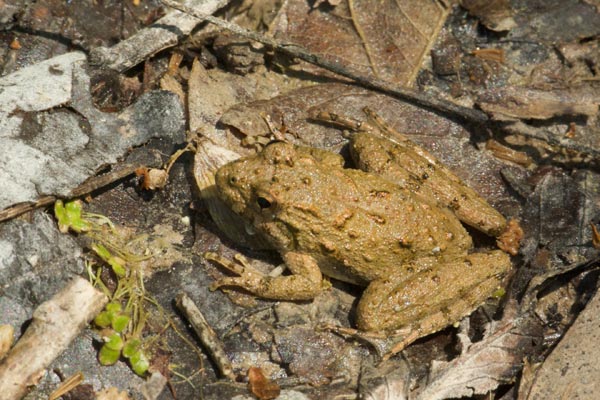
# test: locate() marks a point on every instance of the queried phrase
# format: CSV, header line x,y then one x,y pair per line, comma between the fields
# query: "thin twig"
x,y
292,50
207,335
88,186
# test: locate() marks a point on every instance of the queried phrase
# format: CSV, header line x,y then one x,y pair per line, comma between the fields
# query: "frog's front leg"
x,y
304,283
439,295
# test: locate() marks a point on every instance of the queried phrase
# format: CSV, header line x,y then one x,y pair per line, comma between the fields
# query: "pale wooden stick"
x,y
207,335
55,324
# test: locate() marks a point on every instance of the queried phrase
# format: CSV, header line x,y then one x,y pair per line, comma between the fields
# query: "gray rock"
x,y
53,138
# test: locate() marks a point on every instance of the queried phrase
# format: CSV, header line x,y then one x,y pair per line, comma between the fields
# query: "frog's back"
x,y
358,225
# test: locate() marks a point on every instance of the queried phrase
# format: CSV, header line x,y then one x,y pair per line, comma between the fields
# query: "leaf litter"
x,y
544,193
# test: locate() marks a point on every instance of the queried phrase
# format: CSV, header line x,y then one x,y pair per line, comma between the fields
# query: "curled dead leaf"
x,y
260,386
15,44
152,178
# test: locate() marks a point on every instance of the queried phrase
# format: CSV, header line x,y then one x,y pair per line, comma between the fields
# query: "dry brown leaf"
x,y
572,370
260,386
168,82
484,365
212,92
388,39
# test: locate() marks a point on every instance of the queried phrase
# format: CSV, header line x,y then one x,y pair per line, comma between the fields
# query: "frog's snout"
x,y
233,187
226,180
225,177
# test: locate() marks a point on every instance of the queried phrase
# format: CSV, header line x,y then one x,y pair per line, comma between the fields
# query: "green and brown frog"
x,y
394,227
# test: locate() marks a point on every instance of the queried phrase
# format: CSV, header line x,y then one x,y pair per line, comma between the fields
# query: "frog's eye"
x,y
232,179
263,202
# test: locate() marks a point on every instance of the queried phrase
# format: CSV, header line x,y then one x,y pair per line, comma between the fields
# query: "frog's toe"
x,y
239,265
249,281
510,239
244,282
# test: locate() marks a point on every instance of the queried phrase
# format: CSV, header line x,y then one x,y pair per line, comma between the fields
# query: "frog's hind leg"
x,y
433,298
378,148
411,167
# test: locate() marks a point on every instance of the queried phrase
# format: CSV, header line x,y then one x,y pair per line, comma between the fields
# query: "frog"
x,y
400,238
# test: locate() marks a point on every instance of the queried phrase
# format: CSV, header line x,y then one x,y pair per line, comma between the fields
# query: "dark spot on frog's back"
x,y
404,243
380,194
445,311
379,219
328,246
279,152
352,234
454,204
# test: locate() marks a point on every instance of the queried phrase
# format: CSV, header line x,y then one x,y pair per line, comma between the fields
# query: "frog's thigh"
x,y
433,298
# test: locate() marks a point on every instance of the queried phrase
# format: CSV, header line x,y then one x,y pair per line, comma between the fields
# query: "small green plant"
x,y
114,317
115,262
69,216
111,349
133,351
124,318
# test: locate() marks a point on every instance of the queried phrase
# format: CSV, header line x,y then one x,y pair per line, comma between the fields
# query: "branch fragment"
x,y
207,335
55,324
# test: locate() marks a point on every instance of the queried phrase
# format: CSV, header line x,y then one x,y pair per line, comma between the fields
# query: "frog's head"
x,y
245,185
255,188
233,186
